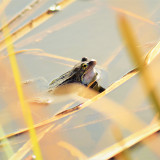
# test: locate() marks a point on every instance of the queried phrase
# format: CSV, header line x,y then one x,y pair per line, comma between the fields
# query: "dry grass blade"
x,y
127,143
152,54
40,52
23,14
113,55
45,54
37,21
65,3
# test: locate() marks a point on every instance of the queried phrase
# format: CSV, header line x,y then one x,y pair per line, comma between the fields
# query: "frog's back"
x,y
60,80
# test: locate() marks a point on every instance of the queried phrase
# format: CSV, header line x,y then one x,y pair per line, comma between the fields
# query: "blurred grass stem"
x,y
25,109
129,38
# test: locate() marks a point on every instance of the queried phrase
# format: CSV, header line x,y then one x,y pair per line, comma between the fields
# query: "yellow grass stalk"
x,y
131,43
7,148
37,21
24,105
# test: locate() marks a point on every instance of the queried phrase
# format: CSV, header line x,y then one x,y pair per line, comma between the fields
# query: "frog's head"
x,y
85,71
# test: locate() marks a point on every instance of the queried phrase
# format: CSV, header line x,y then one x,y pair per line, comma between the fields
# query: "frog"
x,y
83,73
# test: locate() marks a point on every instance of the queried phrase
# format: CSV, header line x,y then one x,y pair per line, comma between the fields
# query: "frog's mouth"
x,y
90,73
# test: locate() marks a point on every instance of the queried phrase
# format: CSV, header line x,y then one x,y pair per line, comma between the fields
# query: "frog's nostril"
x,y
92,62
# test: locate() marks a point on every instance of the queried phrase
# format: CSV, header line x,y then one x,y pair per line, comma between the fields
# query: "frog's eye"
x,y
84,66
